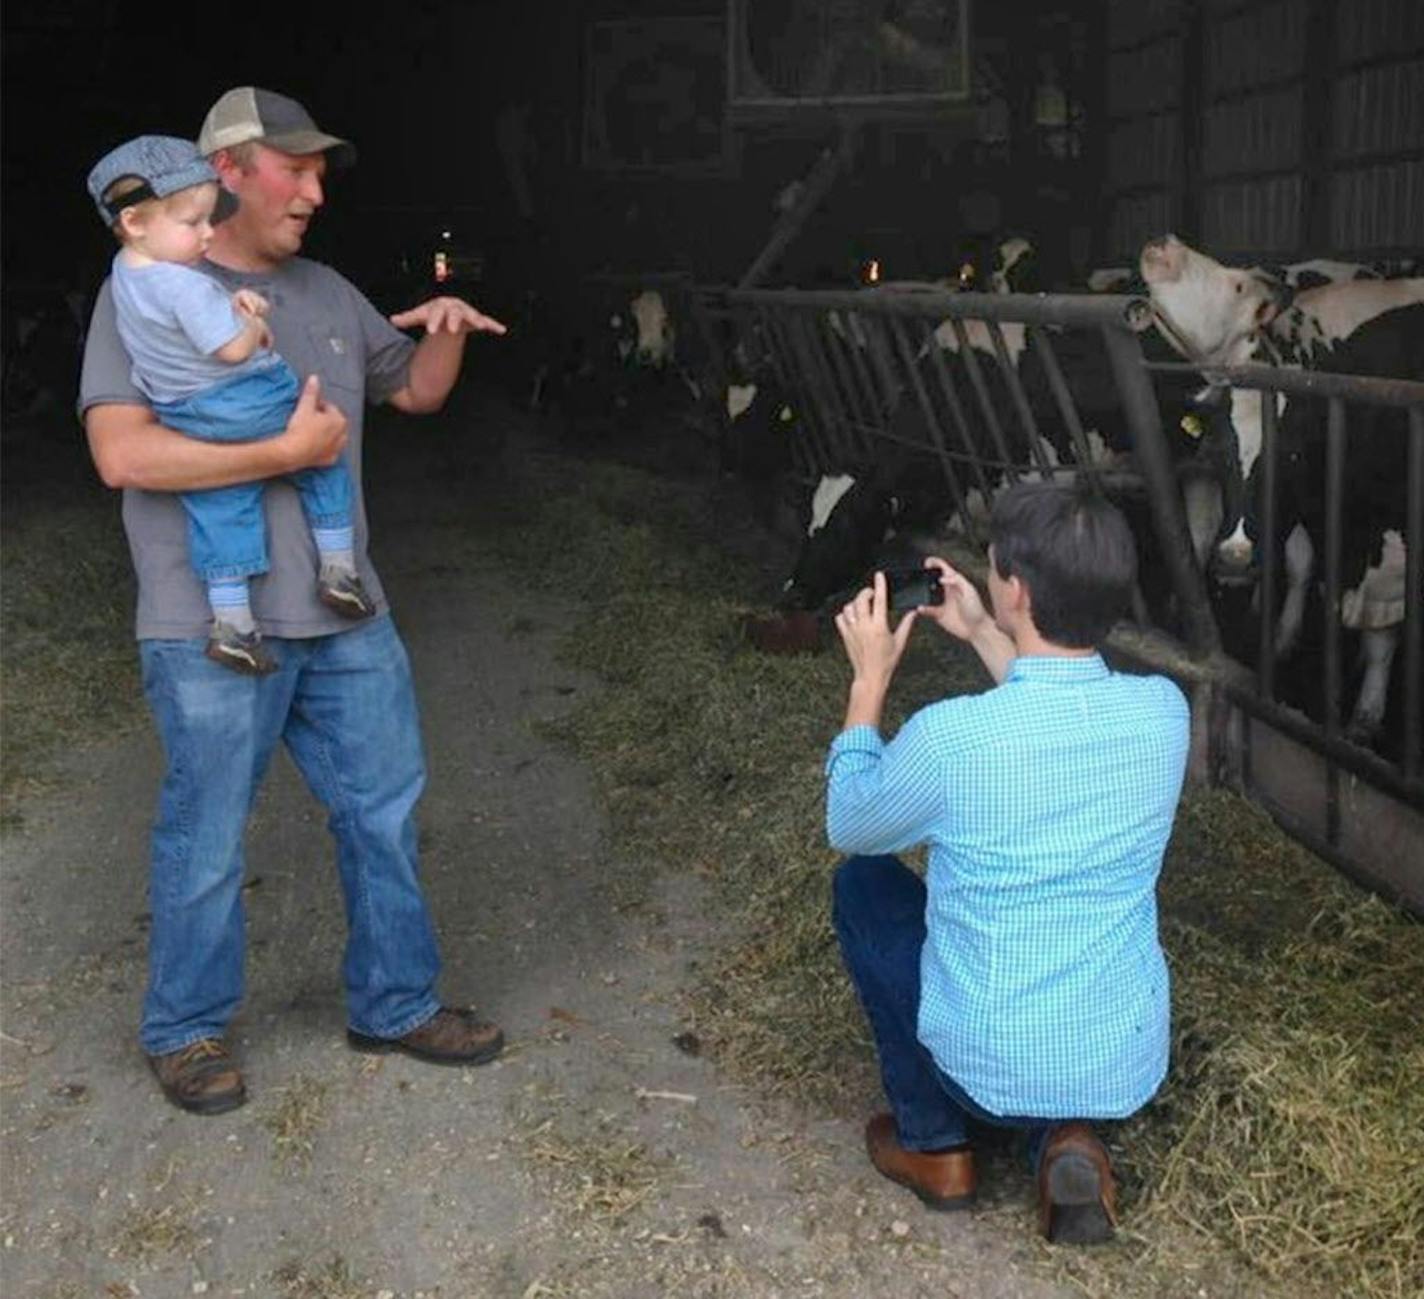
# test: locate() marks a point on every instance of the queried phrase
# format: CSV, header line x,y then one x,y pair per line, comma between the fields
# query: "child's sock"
x,y
337,549
229,605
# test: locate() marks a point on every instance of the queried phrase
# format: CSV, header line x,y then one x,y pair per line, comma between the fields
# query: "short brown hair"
x,y
244,155
1073,550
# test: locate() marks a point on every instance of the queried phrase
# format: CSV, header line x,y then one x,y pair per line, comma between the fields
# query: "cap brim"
x,y
339,153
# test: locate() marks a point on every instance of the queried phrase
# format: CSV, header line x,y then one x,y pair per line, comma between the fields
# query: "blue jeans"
x,y
345,707
878,905
227,530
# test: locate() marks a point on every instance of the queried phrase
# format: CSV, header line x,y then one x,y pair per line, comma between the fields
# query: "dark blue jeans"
x,y
227,529
345,707
879,913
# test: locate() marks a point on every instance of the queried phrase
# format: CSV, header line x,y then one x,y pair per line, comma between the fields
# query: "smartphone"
x,y
909,588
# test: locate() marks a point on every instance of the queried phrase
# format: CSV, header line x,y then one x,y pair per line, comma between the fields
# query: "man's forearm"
x,y
132,449
866,703
433,370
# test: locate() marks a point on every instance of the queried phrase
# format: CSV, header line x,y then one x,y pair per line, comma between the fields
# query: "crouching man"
x,y
1021,983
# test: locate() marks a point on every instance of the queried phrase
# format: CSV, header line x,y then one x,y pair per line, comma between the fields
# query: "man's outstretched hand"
x,y
448,316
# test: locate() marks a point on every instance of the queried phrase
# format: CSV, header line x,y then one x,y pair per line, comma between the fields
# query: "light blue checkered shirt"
x,y
1046,803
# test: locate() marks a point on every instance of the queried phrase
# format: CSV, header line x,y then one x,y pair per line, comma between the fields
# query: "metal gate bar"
x,y
1270,479
1334,509
931,423
1038,337
1414,597
1168,513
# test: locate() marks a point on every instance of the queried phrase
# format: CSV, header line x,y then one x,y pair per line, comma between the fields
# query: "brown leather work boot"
x,y
200,1078
946,1180
450,1036
1077,1197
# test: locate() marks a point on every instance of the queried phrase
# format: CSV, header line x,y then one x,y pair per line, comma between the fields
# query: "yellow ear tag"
x,y
785,415
1192,426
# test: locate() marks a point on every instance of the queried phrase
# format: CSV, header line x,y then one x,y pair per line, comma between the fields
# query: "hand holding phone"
x,y
910,588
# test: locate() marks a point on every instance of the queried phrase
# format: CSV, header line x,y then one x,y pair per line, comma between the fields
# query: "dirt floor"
x,y
603,1155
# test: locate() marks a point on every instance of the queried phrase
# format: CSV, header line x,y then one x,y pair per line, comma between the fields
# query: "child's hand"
x,y
250,304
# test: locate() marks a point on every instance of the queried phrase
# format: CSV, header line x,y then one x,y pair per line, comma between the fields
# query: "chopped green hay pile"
x,y
1289,1133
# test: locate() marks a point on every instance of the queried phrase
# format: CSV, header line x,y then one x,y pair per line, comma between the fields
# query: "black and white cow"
x,y
617,368
1217,315
1002,264
645,335
862,521
757,438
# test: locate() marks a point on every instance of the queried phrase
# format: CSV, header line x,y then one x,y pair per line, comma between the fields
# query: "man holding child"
x,y
335,688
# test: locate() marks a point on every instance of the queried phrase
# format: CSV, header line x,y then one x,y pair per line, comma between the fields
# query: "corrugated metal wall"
x,y
1266,127
1143,105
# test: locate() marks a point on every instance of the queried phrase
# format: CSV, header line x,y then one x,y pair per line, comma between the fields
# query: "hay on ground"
x,y
1288,1137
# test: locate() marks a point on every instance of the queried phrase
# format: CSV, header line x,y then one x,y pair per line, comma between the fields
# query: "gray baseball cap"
x,y
248,113
164,164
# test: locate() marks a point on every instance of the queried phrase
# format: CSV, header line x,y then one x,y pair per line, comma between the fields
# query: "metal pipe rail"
x,y
1371,389
1068,310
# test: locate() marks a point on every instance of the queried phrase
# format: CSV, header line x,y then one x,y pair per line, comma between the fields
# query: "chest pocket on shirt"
x,y
341,366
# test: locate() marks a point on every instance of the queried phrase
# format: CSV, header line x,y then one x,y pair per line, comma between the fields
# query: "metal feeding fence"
x,y
850,361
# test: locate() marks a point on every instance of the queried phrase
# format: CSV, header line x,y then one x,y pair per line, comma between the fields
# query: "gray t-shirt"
x,y
172,319
321,324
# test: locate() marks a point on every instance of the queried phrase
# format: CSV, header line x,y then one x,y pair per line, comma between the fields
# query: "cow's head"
x,y
998,266
654,342
1208,312
1015,267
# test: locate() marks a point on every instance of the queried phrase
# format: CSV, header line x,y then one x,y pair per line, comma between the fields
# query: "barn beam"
x,y
830,166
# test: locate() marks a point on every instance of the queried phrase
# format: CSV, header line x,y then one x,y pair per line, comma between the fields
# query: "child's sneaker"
x,y
240,651
343,592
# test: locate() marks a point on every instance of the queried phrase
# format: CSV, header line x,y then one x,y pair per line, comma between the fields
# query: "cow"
x,y
758,436
860,521
1373,543
617,370
647,336
1216,315
1002,264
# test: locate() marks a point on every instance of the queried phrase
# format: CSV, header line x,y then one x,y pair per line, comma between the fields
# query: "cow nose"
x,y
1234,555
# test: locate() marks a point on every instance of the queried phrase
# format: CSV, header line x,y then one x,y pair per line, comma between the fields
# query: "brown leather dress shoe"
x,y
1077,1197
450,1036
200,1078
946,1180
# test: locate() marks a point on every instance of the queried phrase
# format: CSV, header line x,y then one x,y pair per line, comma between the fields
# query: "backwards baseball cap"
x,y
248,113
163,165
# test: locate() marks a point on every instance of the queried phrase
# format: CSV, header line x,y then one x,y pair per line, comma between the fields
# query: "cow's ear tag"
x,y
785,415
1192,425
